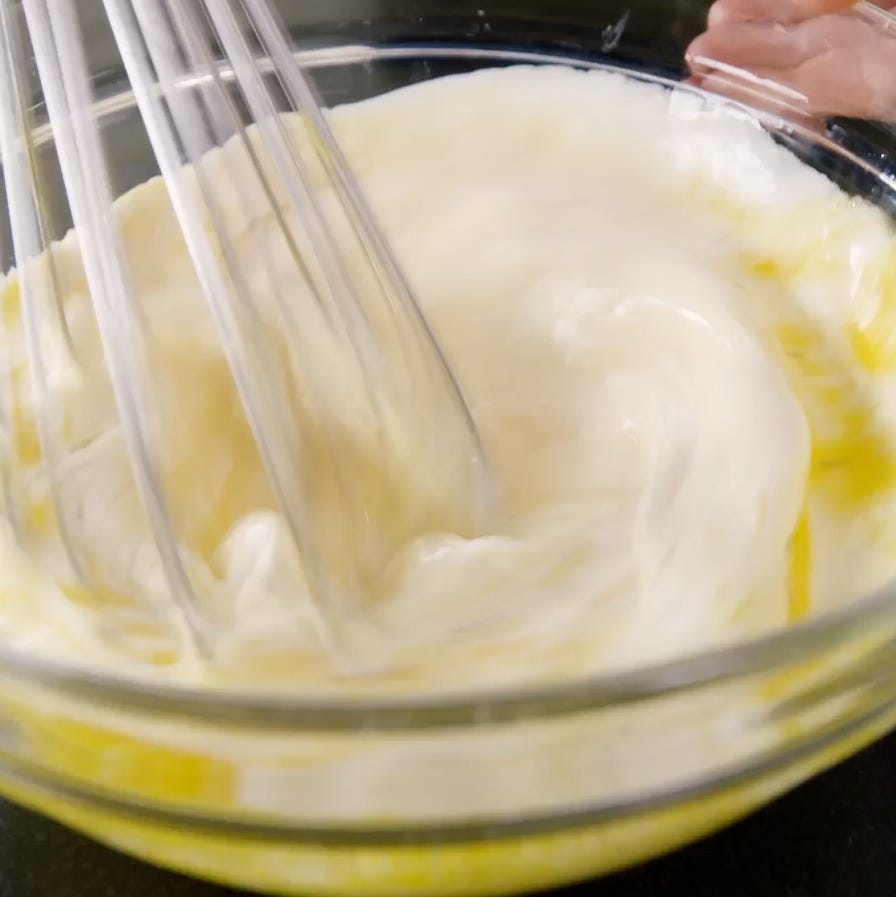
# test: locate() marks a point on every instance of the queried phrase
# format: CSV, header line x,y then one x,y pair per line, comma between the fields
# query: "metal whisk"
x,y
329,316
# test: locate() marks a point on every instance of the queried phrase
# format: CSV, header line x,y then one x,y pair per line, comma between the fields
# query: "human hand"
x,y
818,57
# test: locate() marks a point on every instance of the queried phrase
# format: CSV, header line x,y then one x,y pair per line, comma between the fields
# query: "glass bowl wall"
x,y
475,794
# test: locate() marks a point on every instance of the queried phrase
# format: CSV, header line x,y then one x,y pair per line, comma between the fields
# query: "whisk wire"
x,y
392,280
245,188
334,291
58,48
156,77
27,213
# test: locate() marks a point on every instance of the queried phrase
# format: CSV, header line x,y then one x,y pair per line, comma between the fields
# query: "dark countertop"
x,y
835,837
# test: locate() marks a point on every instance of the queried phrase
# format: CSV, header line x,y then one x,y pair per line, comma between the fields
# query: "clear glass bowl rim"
x,y
276,711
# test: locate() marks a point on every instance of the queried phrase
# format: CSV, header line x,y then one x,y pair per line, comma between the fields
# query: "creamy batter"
x,y
675,340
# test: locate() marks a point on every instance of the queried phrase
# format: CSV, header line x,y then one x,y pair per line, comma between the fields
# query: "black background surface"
x,y
835,837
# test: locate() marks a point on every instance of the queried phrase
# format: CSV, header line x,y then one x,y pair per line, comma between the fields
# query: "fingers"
x,y
854,84
834,64
835,84
771,45
726,12
761,92
762,44
812,57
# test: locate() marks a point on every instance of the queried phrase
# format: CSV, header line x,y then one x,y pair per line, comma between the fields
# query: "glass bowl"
x,y
514,790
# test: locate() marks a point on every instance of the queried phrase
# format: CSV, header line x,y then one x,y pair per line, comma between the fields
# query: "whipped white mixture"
x,y
674,339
